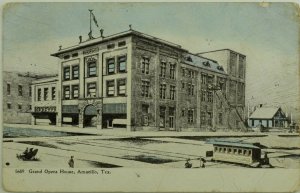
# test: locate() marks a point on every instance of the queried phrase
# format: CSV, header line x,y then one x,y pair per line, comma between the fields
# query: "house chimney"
x,y
101,32
80,39
60,47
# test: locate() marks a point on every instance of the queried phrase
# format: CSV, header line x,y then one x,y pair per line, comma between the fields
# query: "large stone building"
x,y
141,82
17,97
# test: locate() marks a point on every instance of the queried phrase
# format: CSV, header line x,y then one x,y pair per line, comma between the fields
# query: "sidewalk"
x,y
122,132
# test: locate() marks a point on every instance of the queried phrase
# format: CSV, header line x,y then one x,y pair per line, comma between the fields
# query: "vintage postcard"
x,y
150,97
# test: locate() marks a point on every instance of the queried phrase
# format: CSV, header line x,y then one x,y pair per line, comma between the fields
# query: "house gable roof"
x,y
264,113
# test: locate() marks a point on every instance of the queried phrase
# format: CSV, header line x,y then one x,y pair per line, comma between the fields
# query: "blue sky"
x,y
266,33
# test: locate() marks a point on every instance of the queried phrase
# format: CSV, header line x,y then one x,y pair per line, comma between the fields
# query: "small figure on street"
x,y
71,162
202,162
188,164
26,151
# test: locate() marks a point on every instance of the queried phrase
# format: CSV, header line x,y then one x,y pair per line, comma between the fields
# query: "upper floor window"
x,y
66,92
182,72
39,94
210,79
67,73
19,106
8,105
92,69
91,89
53,93
145,65
172,71
191,89
162,91
172,92
20,90
110,66
110,46
210,96
110,88
203,95
75,72
46,94
122,87
203,118
122,43
163,69
8,89
75,91
203,78
122,64
145,88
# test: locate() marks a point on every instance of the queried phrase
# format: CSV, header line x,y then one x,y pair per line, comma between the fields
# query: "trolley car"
x,y
236,152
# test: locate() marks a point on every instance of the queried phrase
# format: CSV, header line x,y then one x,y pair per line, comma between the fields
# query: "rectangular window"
x,y
183,112
46,94
183,84
19,106
182,72
172,92
203,118
210,96
66,92
92,69
220,118
145,111
190,116
122,43
29,107
91,90
8,105
75,91
163,69
122,64
110,66
203,95
122,87
172,71
145,88
162,91
203,78
110,46
210,79
8,89
190,89
30,91
67,73
53,93
145,65
110,88
20,90
75,72
209,118
39,95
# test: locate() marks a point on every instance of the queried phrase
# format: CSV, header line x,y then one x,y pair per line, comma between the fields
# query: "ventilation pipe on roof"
x,y
80,39
101,33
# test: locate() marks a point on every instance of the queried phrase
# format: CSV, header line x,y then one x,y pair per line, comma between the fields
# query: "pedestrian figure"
x,y
71,162
26,151
188,164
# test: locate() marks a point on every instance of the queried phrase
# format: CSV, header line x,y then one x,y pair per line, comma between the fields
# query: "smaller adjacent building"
x,y
268,117
44,101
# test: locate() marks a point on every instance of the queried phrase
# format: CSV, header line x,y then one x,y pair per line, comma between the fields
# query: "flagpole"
x,y
90,22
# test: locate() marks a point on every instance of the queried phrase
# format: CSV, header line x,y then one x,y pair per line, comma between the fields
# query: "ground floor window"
x,y
191,116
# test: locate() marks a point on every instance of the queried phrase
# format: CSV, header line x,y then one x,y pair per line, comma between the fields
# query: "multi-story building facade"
x,y
44,101
137,81
17,97
234,64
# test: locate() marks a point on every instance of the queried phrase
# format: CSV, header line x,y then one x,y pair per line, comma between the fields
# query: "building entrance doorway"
x,y
90,116
162,118
172,118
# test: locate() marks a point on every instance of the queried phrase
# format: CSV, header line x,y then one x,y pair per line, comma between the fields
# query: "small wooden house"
x,y
269,117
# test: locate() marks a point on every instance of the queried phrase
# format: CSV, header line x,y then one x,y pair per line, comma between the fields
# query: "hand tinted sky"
x,y
266,33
